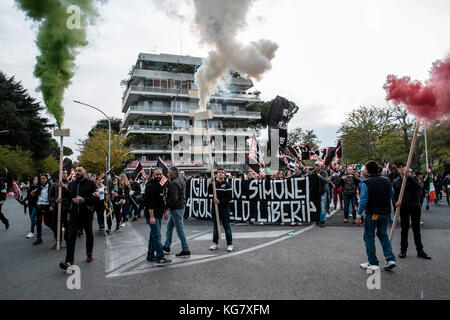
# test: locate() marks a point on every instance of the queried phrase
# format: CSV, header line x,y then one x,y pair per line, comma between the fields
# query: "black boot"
x,y
422,254
38,241
402,254
6,224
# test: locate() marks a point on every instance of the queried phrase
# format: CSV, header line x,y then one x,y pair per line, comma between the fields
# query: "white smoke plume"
x,y
219,22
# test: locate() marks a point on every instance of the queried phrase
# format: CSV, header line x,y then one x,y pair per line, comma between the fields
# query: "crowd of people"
x,y
123,199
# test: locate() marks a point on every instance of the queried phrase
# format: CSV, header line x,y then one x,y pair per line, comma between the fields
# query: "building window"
x,y
156,83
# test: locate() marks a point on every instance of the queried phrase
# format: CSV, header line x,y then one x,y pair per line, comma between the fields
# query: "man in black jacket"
x,y
3,193
224,195
409,207
43,208
176,202
134,194
64,200
154,211
81,214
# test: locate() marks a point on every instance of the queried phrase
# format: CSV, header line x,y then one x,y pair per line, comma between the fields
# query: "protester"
x,y
43,208
118,202
437,187
323,180
31,203
140,198
176,202
54,200
297,171
409,208
3,193
154,212
349,183
126,208
99,204
446,186
135,192
337,189
375,199
224,195
81,215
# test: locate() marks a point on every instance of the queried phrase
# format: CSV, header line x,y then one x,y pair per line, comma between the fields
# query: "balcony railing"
x,y
151,147
158,90
177,110
167,129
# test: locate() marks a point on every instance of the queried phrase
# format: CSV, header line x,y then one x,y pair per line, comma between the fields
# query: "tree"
x,y
19,162
20,115
104,124
308,137
264,108
48,165
438,137
94,150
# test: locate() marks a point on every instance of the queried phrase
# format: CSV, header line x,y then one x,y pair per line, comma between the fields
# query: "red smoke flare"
x,y
430,101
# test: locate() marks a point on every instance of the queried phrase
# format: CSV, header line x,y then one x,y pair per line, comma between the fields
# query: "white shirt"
x,y
43,197
142,189
101,191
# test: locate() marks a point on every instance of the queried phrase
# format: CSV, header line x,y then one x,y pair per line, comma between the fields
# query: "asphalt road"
x,y
267,264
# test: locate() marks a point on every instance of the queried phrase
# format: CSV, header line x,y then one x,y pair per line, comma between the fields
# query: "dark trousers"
x,y
78,222
2,216
64,223
224,216
405,214
44,211
117,214
141,207
100,211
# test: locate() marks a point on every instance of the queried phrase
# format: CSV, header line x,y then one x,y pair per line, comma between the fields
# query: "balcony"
x,y
190,131
150,149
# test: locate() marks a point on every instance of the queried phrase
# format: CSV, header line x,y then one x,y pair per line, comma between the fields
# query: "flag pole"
x,y
60,133
402,189
206,115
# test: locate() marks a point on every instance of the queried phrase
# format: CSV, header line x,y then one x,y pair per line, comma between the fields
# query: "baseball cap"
x,y
318,163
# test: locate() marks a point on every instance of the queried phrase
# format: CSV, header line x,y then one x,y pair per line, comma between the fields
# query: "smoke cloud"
x,y
58,45
430,101
218,23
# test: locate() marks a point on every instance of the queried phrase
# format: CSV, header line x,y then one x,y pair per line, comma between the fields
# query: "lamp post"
x,y
109,123
173,105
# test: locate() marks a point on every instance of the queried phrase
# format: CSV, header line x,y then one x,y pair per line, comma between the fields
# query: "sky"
x,y
333,56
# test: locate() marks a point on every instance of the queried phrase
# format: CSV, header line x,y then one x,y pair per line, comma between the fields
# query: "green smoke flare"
x,y
58,45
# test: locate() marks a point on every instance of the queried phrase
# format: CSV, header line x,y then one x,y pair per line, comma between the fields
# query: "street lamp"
x,y
109,123
173,104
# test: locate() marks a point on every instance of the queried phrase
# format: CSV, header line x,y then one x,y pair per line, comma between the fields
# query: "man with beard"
x,y
64,200
81,215
154,211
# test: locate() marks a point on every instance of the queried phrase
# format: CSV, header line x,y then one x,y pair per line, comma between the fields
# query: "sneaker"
x,y
402,254
230,248
163,261
30,235
166,249
322,224
134,219
151,259
367,265
65,265
108,232
90,257
117,228
213,247
261,223
293,224
38,241
6,224
122,224
282,224
183,254
390,265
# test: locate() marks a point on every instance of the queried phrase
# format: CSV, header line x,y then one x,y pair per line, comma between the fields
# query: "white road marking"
x,y
219,257
175,260
248,235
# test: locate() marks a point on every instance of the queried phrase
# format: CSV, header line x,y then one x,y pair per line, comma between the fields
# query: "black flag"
x,y
139,172
278,119
255,156
165,171
70,172
301,151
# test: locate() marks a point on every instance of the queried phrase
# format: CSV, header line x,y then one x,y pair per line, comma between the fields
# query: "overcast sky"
x,y
333,55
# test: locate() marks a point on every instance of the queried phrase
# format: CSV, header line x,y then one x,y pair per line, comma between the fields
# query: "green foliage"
x,y
94,150
308,137
19,162
48,165
20,115
385,135
104,124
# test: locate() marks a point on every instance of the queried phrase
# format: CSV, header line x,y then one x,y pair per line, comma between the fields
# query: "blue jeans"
x,y
224,216
323,204
32,211
380,225
349,200
176,220
154,241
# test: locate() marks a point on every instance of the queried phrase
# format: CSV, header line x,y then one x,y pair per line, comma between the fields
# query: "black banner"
x,y
268,201
278,119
